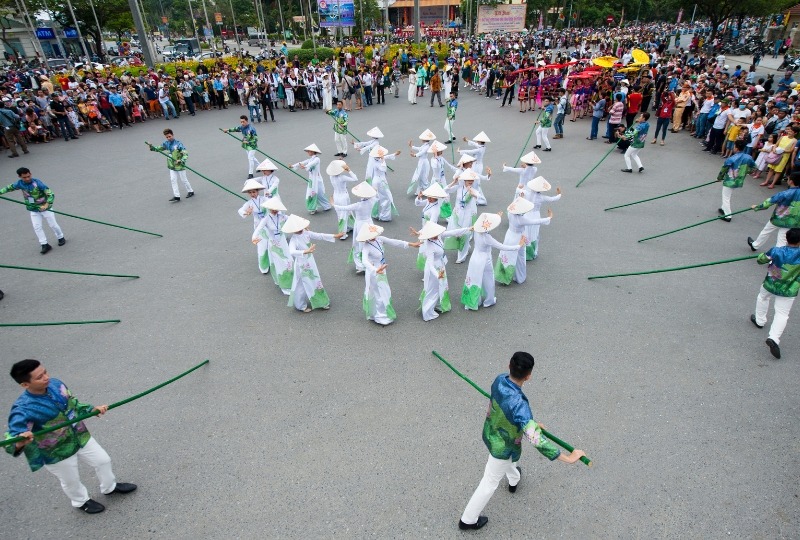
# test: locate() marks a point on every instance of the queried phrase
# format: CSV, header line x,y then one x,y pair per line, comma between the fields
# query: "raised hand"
x,y
310,249
558,190
413,231
415,244
256,240
550,213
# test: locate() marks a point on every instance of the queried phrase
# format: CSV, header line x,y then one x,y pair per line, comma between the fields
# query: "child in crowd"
x,y
763,152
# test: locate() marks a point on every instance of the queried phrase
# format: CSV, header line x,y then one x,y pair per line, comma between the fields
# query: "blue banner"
x,y
333,13
70,33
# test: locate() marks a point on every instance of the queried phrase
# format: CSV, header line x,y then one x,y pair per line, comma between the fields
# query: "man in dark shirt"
x,y
59,108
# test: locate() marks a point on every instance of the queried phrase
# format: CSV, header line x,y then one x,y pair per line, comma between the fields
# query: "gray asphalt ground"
x,y
326,425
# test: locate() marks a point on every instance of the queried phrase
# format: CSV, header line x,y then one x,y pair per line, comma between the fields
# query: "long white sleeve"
x,y
489,239
321,236
394,243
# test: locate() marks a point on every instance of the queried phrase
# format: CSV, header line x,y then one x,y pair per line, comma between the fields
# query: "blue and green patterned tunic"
x,y
36,193
509,419
33,412
783,272
787,208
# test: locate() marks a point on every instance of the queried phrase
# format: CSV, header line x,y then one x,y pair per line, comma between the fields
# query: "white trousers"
x,y
67,472
341,142
252,161
449,128
494,472
541,135
36,219
783,305
174,176
766,231
632,152
726,199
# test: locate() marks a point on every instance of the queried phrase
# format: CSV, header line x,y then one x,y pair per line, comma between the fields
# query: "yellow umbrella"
x,y
605,61
640,57
629,69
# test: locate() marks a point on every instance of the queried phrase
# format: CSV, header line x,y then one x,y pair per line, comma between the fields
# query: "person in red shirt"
x,y
634,103
664,115
63,80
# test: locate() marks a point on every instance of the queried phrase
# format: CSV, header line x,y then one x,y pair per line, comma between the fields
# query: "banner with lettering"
x,y
501,18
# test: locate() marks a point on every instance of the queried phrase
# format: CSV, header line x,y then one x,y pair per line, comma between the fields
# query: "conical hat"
x,y
295,224
368,232
435,147
427,135
251,185
469,174
375,133
481,137
430,230
378,152
530,159
539,184
520,206
273,203
364,191
312,148
487,222
435,190
465,158
335,167
267,165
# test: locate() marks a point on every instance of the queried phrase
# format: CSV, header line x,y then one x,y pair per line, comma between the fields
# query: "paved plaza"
x,y
326,425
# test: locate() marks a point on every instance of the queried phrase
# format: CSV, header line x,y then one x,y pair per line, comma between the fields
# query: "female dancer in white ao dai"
x,y
435,297
307,291
377,293
479,283
268,234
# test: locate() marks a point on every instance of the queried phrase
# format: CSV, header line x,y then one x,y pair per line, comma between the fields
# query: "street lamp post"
x,y
101,52
77,29
210,29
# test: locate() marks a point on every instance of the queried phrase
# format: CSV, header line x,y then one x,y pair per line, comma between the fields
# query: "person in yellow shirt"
x,y
732,136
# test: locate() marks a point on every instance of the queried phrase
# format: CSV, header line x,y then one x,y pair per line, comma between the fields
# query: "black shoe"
x,y
641,169
344,155
547,150
753,320
726,219
190,194
123,488
249,176
773,348
721,211
92,507
175,199
448,142
338,154
62,241
750,243
483,520
513,489
46,248
537,146
627,170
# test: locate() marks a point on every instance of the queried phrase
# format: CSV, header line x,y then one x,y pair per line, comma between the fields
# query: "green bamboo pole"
x,y
112,406
300,176
450,140
533,128
359,140
5,325
613,147
696,224
712,263
562,444
660,196
87,219
65,271
204,177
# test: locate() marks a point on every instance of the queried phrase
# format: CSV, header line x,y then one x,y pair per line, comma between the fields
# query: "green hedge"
x,y
307,44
